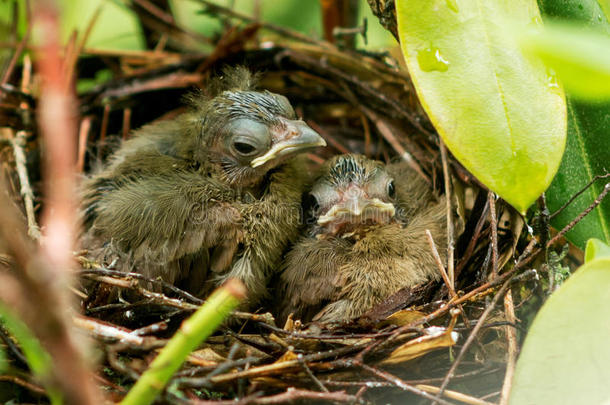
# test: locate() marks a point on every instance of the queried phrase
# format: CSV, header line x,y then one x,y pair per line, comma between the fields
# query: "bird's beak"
x,y
358,208
296,138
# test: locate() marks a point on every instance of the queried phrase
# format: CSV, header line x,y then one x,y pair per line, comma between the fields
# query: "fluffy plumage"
x,y
366,240
210,195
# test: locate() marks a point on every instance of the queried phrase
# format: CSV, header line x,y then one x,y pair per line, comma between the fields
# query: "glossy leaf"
x,y
581,58
500,113
588,146
596,249
565,355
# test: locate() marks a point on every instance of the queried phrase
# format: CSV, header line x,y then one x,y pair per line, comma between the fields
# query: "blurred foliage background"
x,y
118,28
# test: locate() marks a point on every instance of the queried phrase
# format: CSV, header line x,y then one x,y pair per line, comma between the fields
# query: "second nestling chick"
x,y
365,242
211,194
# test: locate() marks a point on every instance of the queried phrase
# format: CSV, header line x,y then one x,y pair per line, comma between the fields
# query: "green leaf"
x,y
596,249
38,359
579,57
3,363
498,111
565,355
588,146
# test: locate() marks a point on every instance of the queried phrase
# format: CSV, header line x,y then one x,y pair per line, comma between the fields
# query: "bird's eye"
x,y
391,189
310,203
244,148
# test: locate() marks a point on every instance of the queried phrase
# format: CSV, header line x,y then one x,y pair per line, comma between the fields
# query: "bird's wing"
x,y
310,278
270,223
159,219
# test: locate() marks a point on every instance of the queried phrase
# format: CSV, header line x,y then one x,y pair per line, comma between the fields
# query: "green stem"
x,y
192,332
39,360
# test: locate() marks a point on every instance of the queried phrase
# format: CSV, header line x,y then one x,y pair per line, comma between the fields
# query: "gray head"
x,y
351,192
249,132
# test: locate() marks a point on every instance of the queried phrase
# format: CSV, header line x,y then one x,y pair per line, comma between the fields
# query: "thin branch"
x,y
439,263
494,233
472,336
399,383
18,143
458,396
285,32
511,336
310,374
20,47
450,228
575,196
576,220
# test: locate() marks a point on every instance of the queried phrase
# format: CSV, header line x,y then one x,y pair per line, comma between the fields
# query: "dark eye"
x,y
310,203
391,189
244,148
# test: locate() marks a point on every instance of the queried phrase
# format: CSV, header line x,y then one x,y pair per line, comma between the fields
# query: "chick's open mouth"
x,y
341,220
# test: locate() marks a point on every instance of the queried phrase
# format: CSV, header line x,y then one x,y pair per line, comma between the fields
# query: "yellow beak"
x,y
305,138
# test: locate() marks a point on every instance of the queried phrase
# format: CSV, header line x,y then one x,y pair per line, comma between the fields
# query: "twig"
x,y
331,140
285,32
20,47
72,57
575,196
283,366
206,381
472,336
25,384
13,348
388,135
310,374
399,382
448,197
494,233
473,242
18,143
104,330
101,271
126,122
440,265
83,134
511,336
576,220
458,396
291,396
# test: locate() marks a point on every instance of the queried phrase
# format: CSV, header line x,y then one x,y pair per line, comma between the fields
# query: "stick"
x,y
494,234
511,336
450,244
471,338
576,220
18,143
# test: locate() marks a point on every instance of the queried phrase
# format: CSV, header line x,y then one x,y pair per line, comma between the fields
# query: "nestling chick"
x,y
365,242
212,190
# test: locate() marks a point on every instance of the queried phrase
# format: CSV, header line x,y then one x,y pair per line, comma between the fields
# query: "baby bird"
x,y
209,195
366,240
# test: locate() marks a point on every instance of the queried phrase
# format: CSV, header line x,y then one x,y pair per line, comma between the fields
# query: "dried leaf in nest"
x,y
435,338
402,317
205,357
289,355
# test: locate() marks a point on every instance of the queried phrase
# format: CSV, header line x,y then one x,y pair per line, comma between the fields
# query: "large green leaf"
x,y
596,249
579,56
565,355
588,146
500,113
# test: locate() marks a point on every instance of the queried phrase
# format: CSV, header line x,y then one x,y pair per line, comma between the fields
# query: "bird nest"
x,y
456,335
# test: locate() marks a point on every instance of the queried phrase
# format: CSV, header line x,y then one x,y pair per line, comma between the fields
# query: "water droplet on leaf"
x,y
552,79
430,59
